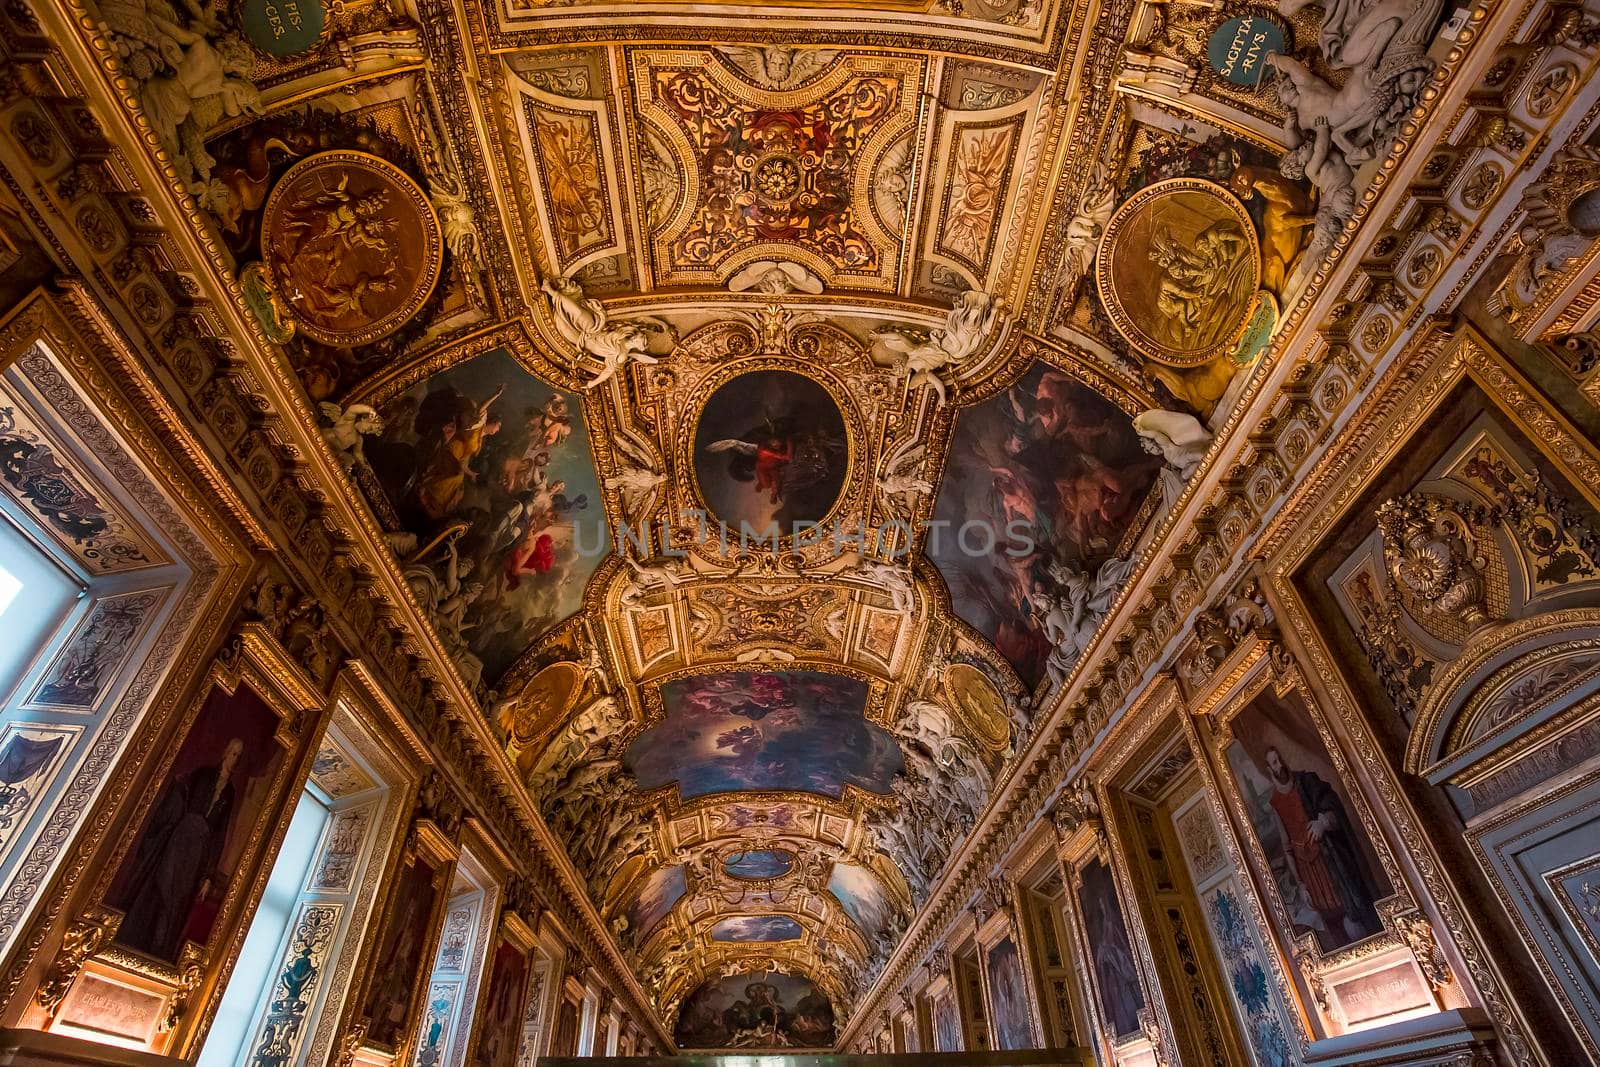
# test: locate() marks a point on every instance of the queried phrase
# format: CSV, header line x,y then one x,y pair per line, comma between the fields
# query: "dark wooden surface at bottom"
x,y
1029,1058
31,1048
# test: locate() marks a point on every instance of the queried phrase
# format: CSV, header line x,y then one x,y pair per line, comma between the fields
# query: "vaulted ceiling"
x,y
579,293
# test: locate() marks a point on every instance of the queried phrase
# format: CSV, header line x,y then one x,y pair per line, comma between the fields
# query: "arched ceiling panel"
x,y
766,1010
916,271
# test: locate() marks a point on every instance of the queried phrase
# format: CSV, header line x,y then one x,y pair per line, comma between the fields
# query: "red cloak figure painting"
x,y
770,451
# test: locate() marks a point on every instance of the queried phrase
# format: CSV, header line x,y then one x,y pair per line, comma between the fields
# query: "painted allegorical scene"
x,y
1008,1000
486,475
801,731
1116,977
664,888
756,928
1059,474
757,1011
770,451
862,897
173,880
1323,867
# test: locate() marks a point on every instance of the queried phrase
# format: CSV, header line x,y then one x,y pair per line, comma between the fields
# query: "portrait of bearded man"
x,y
1320,845
1323,864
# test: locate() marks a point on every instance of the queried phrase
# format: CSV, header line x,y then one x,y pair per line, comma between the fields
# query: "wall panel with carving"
x,y
152,550
1458,595
1141,774
155,925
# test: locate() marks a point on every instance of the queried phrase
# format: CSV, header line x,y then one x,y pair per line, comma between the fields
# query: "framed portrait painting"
x,y
203,827
1116,975
1008,997
500,1028
946,1023
1322,866
405,945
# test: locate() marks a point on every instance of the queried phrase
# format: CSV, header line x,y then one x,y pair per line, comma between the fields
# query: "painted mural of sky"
x,y
800,731
759,864
756,928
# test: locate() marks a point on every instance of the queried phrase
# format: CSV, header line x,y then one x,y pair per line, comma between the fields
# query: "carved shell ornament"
x,y
1433,554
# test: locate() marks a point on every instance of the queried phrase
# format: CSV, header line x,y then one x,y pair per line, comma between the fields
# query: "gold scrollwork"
x,y
83,939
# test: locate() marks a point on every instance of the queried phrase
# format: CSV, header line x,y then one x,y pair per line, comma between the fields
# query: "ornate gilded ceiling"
x,y
944,294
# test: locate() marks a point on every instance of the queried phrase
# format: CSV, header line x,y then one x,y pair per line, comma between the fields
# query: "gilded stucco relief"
x,y
663,366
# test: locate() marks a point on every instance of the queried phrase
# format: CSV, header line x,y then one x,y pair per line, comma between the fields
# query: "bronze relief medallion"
x,y
352,246
544,708
1178,269
979,705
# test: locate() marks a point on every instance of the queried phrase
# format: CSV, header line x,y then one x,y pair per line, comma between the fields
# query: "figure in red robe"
x,y
1321,847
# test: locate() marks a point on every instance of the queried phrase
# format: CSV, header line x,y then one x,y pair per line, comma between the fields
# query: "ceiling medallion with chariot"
x,y
771,451
351,245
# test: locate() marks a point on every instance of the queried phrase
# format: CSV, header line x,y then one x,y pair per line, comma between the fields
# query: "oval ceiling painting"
x,y
770,452
756,928
760,864
756,1011
783,731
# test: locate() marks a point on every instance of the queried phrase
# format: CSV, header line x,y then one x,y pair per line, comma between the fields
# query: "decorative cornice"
x,y
250,417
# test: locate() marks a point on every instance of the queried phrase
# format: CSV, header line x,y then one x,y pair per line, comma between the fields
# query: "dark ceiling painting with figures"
x,y
933,300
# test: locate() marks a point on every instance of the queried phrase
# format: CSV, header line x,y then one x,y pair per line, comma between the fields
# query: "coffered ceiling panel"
x,y
779,163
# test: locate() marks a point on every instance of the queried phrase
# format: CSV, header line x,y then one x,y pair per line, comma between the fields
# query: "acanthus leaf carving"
x,y
83,939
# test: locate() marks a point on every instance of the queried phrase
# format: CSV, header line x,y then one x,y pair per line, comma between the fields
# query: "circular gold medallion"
x,y
1178,269
352,246
544,705
978,704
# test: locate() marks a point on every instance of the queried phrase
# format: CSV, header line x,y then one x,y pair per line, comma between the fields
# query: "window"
x,y
35,595
10,586
256,971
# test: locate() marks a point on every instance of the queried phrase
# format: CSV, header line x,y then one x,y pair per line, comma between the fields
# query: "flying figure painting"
x,y
770,450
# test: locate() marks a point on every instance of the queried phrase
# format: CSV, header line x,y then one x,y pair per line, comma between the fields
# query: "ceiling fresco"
x,y
770,450
759,864
765,409
485,485
1058,470
784,731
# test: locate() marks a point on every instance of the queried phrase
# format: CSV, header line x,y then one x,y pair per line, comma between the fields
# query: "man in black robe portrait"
x,y
177,857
